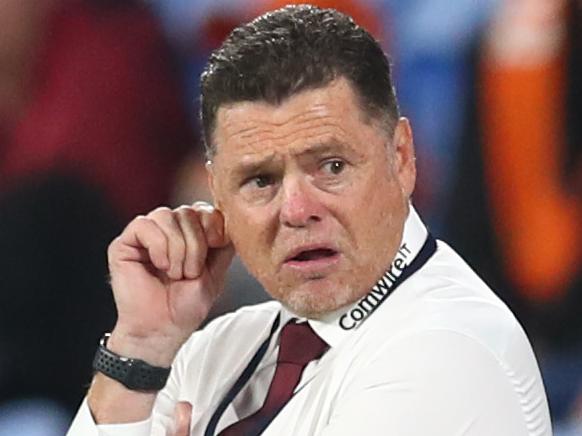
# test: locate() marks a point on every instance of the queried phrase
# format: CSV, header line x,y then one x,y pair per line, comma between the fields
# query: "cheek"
x,y
374,222
388,213
374,201
251,236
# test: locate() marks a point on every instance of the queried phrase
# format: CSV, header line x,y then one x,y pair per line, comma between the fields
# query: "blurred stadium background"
x,y
98,122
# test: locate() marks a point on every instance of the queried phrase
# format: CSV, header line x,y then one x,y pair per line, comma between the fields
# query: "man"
x,y
376,328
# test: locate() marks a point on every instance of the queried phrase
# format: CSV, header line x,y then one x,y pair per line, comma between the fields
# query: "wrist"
x,y
106,395
156,350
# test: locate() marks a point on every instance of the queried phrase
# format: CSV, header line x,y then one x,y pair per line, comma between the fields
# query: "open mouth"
x,y
316,254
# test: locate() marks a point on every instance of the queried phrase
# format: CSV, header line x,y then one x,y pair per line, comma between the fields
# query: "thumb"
x,y
182,415
213,222
220,247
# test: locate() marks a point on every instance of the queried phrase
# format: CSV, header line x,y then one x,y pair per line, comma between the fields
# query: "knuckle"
x,y
162,213
162,209
184,208
186,213
140,221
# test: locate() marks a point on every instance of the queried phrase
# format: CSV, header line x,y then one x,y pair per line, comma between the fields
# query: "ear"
x,y
405,160
212,183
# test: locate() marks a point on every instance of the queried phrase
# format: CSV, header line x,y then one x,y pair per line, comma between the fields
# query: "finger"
x,y
135,254
182,417
212,222
141,233
165,219
196,245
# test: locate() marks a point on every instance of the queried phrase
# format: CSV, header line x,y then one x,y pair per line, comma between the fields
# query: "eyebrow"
x,y
332,145
251,167
254,166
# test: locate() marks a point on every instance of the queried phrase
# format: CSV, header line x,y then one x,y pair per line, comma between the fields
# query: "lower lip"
x,y
313,266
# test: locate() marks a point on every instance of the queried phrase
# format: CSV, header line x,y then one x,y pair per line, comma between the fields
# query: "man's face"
x,y
314,194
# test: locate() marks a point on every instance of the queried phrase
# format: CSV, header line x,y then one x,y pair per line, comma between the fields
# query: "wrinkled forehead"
x,y
327,114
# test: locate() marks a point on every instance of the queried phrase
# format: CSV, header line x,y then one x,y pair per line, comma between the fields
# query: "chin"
x,y
313,303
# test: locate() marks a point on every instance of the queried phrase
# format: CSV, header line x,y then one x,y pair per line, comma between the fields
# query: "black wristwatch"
x,y
134,374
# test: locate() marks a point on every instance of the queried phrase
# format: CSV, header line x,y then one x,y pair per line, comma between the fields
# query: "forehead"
x,y
328,114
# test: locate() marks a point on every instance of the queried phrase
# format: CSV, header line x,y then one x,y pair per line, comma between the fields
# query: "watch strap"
x,y
134,374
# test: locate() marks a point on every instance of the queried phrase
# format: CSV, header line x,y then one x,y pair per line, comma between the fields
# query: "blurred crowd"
x,y
98,123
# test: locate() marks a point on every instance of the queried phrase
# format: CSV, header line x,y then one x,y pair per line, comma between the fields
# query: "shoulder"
x,y
445,334
447,301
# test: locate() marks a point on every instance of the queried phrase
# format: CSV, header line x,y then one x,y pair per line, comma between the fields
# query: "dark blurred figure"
x,y
521,179
93,125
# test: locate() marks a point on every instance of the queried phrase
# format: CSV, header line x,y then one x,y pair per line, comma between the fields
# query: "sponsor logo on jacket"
x,y
379,292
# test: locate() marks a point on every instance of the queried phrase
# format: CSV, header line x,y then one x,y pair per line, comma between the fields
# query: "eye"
x,y
334,166
259,181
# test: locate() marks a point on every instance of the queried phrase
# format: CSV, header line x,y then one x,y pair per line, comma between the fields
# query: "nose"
x,y
300,205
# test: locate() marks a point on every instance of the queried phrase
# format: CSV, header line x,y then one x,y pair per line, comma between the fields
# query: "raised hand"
x,y
167,268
